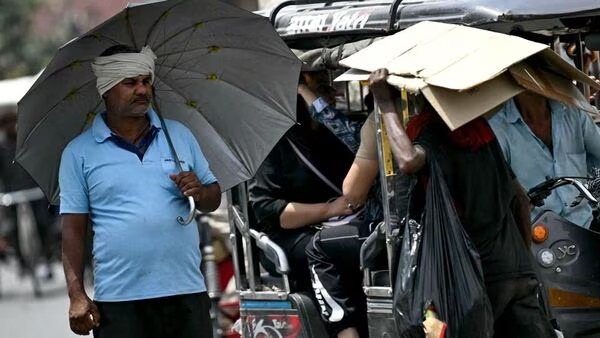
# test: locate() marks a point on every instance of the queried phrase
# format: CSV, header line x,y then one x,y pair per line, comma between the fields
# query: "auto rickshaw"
x,y
333,30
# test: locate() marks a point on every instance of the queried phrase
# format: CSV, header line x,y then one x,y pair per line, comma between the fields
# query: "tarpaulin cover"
x,y
439,265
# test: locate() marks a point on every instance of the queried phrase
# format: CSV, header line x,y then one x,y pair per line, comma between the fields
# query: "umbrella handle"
x,y
191,215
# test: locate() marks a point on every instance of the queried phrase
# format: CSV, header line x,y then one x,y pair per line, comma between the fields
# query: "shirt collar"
x,y
100,129
512,112
513,115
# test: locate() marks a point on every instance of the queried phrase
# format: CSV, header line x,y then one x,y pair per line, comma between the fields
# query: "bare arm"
x,y
359,180
522,212
296,215
209,198
307,94
410,158
83,313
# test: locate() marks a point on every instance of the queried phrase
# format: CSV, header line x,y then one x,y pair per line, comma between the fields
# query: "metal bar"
x,y
278,8
384,172
392,17
250,270
21,196
266,244
233,241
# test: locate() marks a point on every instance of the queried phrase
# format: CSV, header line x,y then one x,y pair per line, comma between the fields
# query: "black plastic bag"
x,y
439,265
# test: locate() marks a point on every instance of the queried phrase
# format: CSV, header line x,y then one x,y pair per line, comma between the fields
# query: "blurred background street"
x,y
24,316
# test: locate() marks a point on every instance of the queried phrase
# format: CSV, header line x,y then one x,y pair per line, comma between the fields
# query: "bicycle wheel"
x,y
29,242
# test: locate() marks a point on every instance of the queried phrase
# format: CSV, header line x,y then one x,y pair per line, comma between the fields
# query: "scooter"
x,y
567,258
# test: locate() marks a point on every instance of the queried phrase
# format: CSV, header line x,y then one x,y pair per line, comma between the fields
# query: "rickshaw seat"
x,y
309,314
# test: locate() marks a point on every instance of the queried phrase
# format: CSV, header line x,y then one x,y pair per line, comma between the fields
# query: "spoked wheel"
x,y
30,243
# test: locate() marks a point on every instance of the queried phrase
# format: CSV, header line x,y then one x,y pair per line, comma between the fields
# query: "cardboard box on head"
x,y
465,72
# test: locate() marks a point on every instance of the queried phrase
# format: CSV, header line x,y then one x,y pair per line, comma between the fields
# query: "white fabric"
x,y
112,69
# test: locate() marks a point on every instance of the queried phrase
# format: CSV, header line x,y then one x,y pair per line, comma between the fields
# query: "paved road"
x,y
24,316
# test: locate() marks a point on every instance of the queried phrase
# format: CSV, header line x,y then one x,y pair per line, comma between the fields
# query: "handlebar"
x,y
21,196
538,194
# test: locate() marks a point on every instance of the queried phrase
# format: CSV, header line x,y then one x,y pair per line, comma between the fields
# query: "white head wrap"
x,y
112,69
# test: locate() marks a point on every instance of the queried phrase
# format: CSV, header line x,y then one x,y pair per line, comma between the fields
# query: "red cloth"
x,y
472,135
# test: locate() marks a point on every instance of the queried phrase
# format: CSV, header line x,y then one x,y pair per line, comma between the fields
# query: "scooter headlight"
x,y
546,258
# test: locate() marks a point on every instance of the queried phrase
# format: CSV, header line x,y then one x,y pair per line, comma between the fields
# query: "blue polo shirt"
x,y
139,249
576,146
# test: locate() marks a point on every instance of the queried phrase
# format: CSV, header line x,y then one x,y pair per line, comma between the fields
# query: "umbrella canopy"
x,y
220,70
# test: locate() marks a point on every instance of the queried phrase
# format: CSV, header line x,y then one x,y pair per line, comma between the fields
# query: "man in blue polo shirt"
x,y
120,177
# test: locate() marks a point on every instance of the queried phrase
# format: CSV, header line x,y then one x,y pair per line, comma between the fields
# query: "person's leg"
x,y
293,244
517,311
187,316
527,316
333,257
120,320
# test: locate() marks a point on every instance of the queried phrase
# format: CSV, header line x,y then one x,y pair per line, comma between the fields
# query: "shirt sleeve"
x,y
591,136
74,197
266,190
368,141
339,124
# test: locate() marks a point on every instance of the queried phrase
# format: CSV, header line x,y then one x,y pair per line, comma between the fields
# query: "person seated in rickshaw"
x,y
543,138
288,197
333,254
489,202
319,96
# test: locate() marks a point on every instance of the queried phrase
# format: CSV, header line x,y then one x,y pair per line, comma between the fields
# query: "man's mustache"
x,y
143,99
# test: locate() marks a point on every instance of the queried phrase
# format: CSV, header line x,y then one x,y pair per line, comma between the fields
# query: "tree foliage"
x,y
22,51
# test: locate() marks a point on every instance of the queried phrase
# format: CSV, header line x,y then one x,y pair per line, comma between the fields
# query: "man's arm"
x,y
338,123
522,212
410,158
296,215
209,197
359,180
591,138
83,313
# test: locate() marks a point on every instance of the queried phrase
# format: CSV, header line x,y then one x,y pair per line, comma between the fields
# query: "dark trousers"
x,y
181,316
333,257
517,310
293,243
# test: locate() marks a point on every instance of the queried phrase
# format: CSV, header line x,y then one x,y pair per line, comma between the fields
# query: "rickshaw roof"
x,y
312,25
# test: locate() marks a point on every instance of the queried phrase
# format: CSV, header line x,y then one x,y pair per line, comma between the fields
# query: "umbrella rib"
x,y
130,27
46,113
178,59
155,23
260,51
221,79
183,30
174,90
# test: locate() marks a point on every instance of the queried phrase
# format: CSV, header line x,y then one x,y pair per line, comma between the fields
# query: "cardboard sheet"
x,y
465,72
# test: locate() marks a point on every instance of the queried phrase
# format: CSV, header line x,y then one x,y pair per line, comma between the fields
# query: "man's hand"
x,y
382,91
339,207
83,315
207,197
189,184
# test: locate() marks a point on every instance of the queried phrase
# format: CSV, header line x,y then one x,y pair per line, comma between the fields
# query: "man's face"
x,y
130,97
